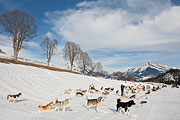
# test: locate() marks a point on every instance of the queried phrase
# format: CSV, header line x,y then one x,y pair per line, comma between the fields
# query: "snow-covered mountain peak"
x,y
147,69
159,67
145,66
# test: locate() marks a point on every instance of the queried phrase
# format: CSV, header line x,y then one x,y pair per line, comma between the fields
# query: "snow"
x,y
158,67
40,86
147,77
133,69
169,77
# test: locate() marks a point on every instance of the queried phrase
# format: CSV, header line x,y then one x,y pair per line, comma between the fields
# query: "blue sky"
x,y
118,33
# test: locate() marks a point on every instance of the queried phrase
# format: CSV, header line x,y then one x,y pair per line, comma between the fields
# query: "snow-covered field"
x,y
40,86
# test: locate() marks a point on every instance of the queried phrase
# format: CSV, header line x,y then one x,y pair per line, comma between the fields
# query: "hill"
x,y
38,64
171,76
40,86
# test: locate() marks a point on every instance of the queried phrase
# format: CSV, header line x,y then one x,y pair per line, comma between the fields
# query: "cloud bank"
x,y
130,25
120,25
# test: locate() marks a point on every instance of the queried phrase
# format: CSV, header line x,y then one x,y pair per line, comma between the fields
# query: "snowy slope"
x,y
147,70
40,86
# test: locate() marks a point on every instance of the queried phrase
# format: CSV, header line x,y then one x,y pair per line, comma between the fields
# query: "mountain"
x,y
148,70
171,76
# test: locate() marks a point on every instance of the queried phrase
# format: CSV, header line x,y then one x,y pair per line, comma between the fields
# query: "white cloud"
x,y
133,25
31,44
97,28
49,34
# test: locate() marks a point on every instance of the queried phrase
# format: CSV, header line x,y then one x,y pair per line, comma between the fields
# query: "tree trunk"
x,y
48,61
84,70
71,66
15,54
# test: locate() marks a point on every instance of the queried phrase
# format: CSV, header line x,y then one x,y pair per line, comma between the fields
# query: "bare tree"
x,y
92,67
119,75
130,77
49,47
84,61
21,27
105,73
71,52
99,67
